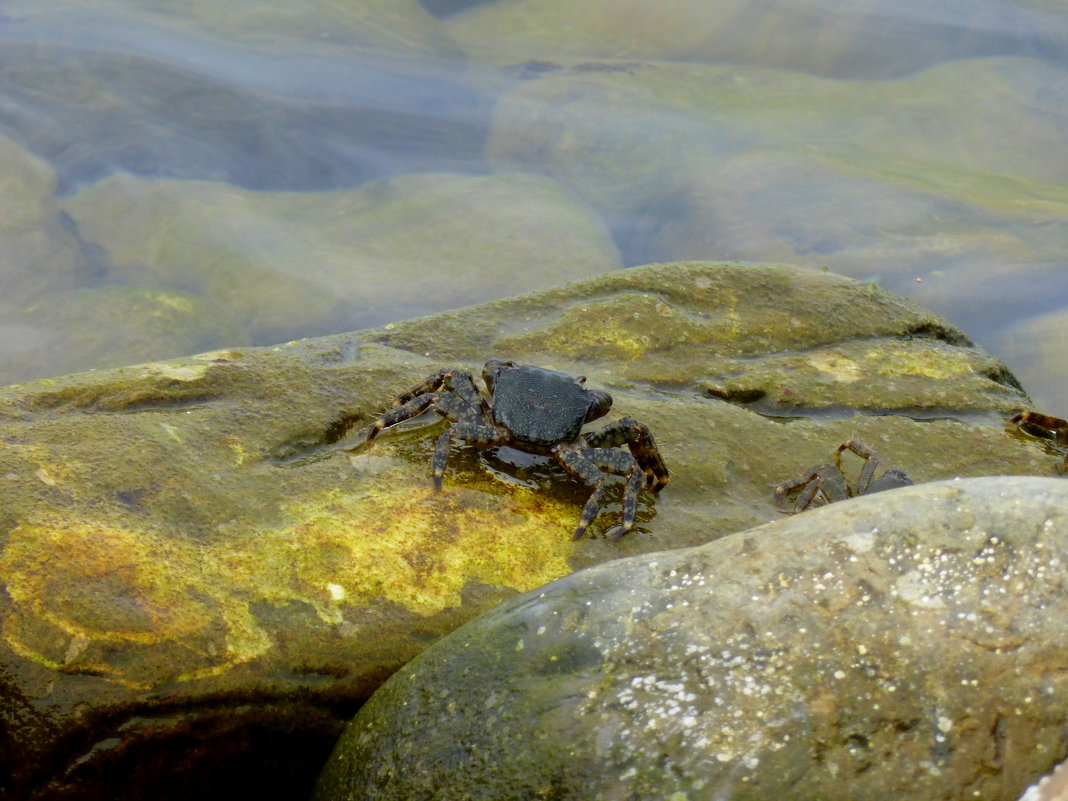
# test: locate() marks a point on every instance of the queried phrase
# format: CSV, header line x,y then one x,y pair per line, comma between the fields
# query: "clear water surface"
x,y
182,177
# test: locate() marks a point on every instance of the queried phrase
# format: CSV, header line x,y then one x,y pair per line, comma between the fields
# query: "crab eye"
x,y
580,380
600,403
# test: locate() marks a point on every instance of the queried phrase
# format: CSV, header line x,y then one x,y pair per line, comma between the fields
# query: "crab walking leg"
x,y
471,431
459,381
828,486
621,464
581,468
630,504
824,480
413,407
1042,425
871,461
451,406
593,466
441,456
639,439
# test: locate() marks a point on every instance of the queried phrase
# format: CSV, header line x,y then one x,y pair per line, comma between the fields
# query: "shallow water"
x,y
311,168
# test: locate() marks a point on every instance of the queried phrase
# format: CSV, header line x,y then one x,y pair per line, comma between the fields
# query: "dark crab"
x,y
1042,425
828,482
538,411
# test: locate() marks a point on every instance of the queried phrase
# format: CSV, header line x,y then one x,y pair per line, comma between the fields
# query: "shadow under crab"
x,y
541,412
826,482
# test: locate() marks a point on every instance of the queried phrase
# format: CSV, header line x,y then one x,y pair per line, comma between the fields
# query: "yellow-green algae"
x,y
83,591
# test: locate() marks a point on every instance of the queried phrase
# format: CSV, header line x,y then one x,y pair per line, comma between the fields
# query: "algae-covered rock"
x,y
290,264
203,564
905,645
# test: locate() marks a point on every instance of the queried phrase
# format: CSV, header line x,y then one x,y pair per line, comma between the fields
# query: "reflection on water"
x,y
179,178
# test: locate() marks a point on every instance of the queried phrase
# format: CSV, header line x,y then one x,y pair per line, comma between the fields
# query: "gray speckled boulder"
x,y
905,645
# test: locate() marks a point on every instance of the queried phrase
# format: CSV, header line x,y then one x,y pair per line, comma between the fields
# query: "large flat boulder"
x,y
205,570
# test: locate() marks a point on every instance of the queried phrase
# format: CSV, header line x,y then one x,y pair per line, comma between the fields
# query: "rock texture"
x,y
204,571
903,645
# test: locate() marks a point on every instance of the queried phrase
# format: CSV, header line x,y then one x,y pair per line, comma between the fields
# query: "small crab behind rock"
x,y
827,481
1044,426
538,411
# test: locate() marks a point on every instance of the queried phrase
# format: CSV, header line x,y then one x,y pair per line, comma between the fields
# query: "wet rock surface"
x,y
205,571
903,645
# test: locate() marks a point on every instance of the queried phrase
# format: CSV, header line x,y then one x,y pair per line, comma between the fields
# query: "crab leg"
x,y
466,430
413,407
581,468
458,381
642,446
1042,425
871,461
823,480
630,504
593,466
450,392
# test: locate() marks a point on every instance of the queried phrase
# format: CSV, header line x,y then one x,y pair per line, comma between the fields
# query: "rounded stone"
x,y
908,644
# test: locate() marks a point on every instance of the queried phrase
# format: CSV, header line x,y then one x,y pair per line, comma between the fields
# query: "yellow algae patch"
x,y
177,372
84,593
237,447
419,550
940,363
142,607
839,367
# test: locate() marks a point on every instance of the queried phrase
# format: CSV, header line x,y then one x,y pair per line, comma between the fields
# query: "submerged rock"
x,y
903,645
1035,347
37,254
829,38
226,91
895,179
289,264
205,571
